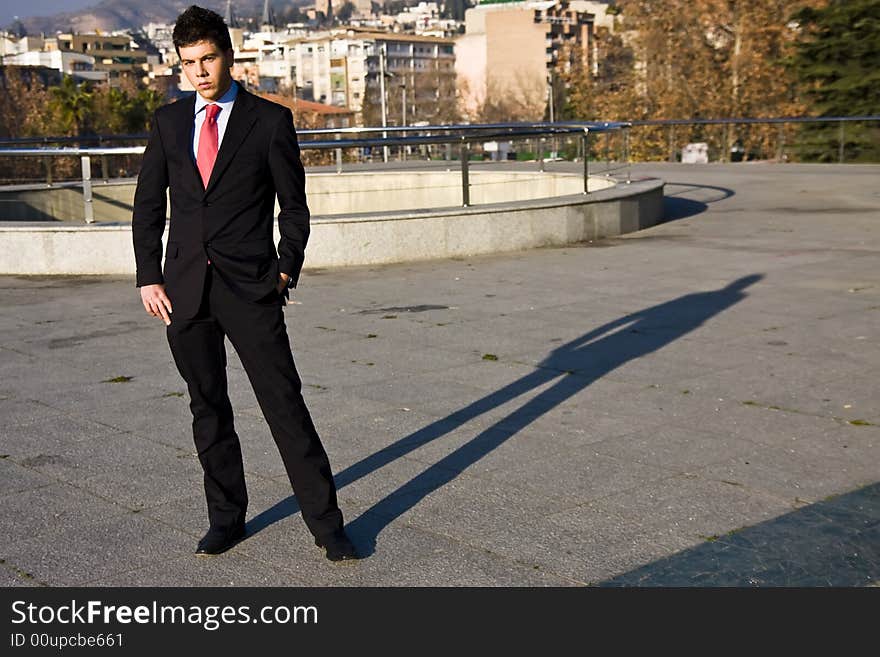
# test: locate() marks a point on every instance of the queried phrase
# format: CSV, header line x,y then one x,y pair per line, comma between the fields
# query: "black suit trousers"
x,y
258,333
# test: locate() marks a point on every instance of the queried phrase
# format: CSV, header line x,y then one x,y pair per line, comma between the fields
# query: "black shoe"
x,y
338,547
217,541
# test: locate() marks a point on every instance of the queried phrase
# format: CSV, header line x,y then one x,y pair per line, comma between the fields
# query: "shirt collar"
x,y
225,101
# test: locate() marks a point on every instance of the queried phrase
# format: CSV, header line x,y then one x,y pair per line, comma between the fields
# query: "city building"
x,y
77,65
308,114
11,44
117,54
510,51
419,79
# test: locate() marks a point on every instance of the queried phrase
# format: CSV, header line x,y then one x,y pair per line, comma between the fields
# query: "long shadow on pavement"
x,y
573,367
832,543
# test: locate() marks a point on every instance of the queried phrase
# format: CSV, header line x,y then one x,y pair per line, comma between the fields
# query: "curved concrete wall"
x,y
511,226
361,239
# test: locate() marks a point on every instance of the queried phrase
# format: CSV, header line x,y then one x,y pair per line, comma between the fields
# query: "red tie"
x,y
208,143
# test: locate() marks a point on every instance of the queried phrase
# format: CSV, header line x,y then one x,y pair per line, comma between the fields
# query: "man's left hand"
x,y
282,282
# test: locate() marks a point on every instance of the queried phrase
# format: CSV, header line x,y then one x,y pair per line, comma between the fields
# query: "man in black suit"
x,y
226,154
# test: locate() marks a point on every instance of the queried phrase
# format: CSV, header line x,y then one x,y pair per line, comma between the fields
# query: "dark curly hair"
x,y
198,24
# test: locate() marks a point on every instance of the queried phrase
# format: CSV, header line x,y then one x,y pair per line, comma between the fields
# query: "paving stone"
x,y
22,411
17,478
10,576
674,447
50,509
402,556
228,569
821,545
50,435
585,544
92,554
788,473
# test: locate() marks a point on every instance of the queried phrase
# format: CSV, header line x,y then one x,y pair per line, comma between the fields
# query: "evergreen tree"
x,y
837,62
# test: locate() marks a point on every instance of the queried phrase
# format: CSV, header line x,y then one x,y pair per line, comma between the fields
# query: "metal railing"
x,y
729,125
460,142
461,136
85,155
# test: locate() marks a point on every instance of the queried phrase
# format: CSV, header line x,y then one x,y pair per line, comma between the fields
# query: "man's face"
x,y
207,68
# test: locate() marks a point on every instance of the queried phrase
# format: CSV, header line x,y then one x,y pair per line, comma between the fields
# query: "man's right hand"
x,y
156,302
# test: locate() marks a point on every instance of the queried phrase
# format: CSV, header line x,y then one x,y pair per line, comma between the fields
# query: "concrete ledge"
x,y
367,238
481,229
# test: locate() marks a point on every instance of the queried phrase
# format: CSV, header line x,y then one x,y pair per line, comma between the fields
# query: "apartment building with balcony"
x,y
117,54
419,78
510,50
79,66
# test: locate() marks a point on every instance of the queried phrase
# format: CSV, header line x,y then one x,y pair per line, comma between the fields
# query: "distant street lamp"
x,y
403,114
553,138
382,95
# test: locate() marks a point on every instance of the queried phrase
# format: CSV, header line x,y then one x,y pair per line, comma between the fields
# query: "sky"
x,y
9,9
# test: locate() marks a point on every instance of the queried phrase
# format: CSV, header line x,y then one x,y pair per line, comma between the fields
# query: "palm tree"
x,y
150,100
73,103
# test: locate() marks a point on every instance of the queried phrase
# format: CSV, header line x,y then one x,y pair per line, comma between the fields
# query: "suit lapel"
x,y
240,123
184,139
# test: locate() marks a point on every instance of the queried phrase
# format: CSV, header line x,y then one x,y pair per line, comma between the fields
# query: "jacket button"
x,y
207,245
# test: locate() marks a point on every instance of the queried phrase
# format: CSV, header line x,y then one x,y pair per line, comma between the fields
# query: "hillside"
x,y
121,14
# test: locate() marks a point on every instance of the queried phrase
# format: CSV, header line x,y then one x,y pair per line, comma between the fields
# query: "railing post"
x,y
104,173
780,145
725,147
607,150
672,142
338,156
48,163
88,210
585,142
465,181
842,141
626,154
541,154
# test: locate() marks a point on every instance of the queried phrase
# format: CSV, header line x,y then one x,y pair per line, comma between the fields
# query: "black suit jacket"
x,y
230,222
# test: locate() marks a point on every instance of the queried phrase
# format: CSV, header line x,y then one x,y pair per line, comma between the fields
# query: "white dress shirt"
x,y
225,102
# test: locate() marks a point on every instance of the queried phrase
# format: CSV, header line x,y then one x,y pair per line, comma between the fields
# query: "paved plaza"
x,y
697,404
